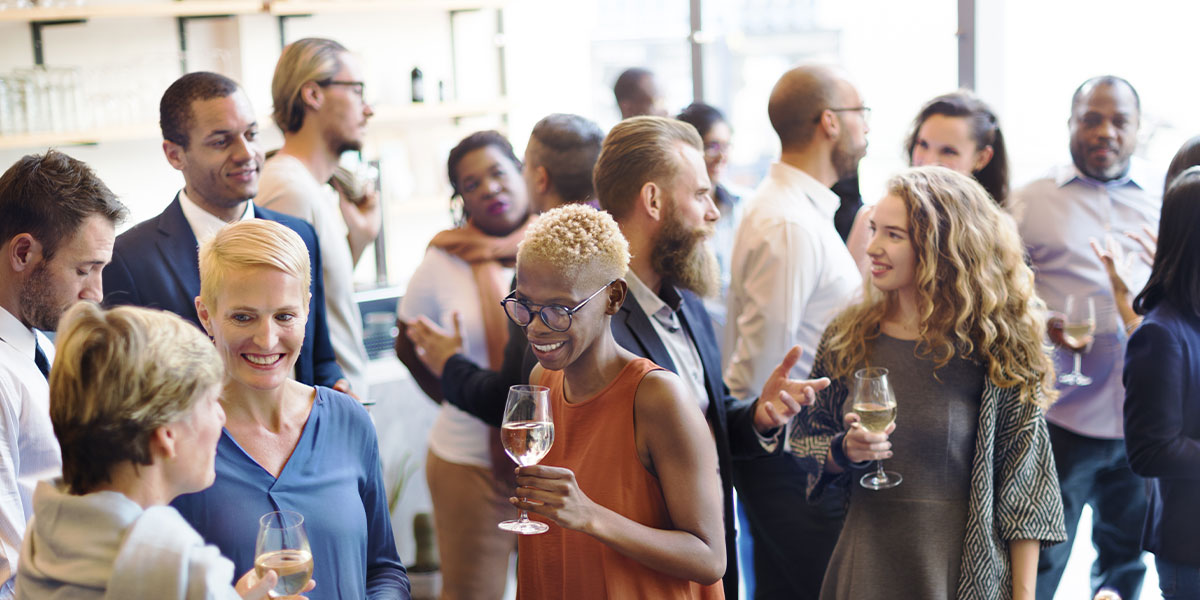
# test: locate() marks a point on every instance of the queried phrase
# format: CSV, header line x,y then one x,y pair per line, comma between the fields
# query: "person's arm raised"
x,y
674,443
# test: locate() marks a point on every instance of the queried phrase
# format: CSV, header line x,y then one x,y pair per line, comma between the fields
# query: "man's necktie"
x,y
39,358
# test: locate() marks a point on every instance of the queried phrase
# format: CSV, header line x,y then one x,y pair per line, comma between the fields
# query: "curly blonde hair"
x,y
573,236
975,294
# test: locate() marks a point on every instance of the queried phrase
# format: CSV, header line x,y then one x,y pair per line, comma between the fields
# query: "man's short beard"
x,y
682,258
845,160
39,307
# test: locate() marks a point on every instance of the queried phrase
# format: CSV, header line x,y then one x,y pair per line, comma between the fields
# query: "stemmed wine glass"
x,y
527,434
282,546
1079,328
875,405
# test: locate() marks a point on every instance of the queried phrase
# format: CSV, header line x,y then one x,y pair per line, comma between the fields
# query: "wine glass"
x,y
875,405
282,546
1079,327
527,434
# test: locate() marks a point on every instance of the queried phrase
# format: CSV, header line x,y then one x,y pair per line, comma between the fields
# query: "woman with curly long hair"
x,y
951,313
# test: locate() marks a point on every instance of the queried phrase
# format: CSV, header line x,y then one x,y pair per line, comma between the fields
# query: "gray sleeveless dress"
x,y
906,542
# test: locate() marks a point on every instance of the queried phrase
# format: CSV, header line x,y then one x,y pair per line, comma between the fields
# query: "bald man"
x,y
791,273
638,94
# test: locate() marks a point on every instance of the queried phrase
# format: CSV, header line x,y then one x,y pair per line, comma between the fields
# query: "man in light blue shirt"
x,y
56,234
1103,194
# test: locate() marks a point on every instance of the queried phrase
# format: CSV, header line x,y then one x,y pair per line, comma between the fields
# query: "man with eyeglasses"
x,y
317,92
210,135
791,275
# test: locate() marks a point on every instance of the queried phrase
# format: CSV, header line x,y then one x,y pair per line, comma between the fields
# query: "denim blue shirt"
x,y
334,479
1057,216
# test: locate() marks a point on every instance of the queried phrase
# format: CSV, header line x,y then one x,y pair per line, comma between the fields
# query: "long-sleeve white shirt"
x,y
28,449
791,274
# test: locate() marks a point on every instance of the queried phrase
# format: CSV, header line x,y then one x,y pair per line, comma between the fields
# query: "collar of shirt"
x,y
1136,175
824,200
16,334
203,223
663,308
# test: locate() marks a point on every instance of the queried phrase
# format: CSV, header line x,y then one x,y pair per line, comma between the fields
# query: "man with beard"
x,y
1102,194
57,235
318,97
651,177
791,275
210,134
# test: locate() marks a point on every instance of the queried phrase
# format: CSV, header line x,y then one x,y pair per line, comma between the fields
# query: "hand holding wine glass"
x,y
282,547
1078,329
875,404
527,434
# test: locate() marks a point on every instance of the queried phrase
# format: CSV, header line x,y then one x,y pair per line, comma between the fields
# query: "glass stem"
x,y
1078,358
524,516
879,471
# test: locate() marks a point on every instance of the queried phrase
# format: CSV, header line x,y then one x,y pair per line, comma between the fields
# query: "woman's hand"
x,y
862,445
553,493
250,587
433,344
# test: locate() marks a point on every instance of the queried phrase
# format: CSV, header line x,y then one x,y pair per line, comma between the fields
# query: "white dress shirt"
x,y
791,274
289,187
203,223
681,349
28,449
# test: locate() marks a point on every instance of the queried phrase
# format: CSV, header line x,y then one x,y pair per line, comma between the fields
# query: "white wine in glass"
x,y
282,546
1079,327
875,405
527,434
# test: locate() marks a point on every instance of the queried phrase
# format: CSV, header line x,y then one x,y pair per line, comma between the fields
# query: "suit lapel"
x,y
695,322
179,249
642,333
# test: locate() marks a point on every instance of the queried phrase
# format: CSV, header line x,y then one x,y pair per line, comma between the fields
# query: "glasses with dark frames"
x,y
355,86
556,316
865,110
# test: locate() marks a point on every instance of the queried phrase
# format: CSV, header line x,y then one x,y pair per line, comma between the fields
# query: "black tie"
x,y
39,358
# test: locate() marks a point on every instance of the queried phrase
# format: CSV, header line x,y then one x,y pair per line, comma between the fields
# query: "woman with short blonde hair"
x,y
133,400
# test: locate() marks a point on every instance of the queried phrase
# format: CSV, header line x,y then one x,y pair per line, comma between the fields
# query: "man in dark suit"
x,y
210,135
651,177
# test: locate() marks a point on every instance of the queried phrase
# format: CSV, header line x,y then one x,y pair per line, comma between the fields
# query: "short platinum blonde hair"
x,y
576,236
247,244
119,375
302,61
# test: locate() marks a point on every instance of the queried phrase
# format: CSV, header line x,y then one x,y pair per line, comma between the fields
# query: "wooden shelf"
x,y
308,7
207,8
384,116
179,8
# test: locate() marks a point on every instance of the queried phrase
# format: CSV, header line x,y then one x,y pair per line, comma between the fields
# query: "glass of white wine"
x,y
1079,328
875,404
527,434
282,546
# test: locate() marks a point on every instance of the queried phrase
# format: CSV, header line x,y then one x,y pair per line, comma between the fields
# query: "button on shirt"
x,y
664,318
1057,216
28,449
792,274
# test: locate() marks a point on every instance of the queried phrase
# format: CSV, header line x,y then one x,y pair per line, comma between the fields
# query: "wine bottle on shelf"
x,y
418,85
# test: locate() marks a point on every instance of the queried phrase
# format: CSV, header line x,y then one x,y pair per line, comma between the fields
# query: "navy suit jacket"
x,y
156,264
732,421
1162,428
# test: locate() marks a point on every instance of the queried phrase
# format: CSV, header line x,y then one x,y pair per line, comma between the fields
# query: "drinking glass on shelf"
x,y
875,404
282,546
1079,328
527,434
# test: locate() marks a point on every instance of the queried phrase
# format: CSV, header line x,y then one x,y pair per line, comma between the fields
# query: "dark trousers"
x,y
793,539
1096,472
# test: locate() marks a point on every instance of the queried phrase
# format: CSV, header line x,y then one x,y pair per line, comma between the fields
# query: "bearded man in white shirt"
x,y
791,274
317,91
56,234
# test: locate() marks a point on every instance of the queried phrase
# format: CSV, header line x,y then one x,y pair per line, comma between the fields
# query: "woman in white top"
x,y
459,285
133,399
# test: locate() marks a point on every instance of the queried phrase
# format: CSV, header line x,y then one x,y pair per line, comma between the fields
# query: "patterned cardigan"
x,y
1014,486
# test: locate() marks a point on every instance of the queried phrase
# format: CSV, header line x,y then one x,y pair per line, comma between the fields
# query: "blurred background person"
x,y
135,409
469,475
1162,392
287,445
948,314
637,93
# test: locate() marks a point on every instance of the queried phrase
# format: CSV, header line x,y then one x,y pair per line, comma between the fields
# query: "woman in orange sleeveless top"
x,y
630,486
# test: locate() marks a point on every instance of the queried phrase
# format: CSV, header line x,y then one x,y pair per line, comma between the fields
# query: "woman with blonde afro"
x,y
630,487
951,313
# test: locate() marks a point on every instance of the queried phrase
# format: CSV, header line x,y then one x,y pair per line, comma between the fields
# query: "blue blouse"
x,y
333,478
